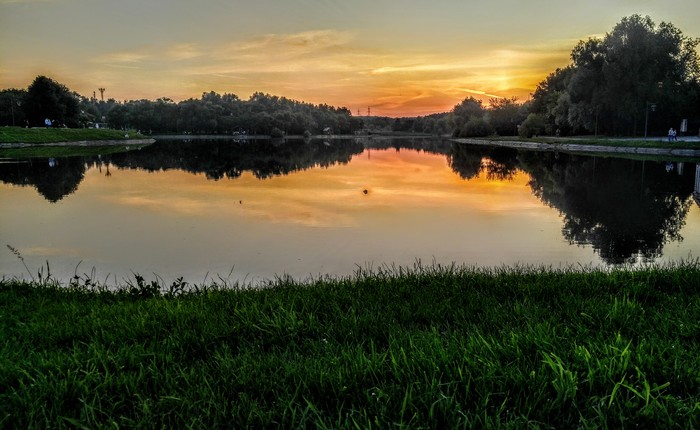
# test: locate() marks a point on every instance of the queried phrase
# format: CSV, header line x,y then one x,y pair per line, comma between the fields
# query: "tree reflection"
x,y
56,178
53,178
500,164
466,161
229,159
626,210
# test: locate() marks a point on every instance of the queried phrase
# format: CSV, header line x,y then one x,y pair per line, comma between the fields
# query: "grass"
x,y
430,347
54,135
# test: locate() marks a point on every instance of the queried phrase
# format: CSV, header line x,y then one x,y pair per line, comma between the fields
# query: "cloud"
x,y
480,93
418,68
295,43
122,57
26,1
183,51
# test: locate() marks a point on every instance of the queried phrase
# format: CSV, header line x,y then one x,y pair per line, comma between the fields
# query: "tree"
x,y
47,98
611,80
504,115
11,112
533,125
475,127
469,108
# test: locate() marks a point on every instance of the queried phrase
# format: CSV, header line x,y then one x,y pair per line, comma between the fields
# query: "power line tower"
x,y
369,110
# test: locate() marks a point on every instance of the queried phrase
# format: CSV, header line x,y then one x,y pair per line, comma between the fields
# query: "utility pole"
x,y
649,105
369,110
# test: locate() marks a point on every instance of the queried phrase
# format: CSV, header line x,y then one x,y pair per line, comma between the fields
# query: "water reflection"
x,y
53,179
219,160
626,210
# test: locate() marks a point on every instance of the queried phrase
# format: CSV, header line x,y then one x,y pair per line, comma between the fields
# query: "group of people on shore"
x,y
672,135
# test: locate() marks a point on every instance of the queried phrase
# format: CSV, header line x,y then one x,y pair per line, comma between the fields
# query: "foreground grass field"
x,y
424,348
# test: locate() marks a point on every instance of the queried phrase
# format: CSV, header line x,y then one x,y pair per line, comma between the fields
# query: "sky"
x,y
391,57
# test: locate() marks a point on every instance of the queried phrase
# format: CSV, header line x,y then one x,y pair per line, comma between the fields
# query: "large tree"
x,y
613,82
47,98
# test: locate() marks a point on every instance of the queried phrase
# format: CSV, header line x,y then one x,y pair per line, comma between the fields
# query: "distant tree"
x,y
504,115
211,114
11,110
467,109
276,132
475,127
533,125
47,98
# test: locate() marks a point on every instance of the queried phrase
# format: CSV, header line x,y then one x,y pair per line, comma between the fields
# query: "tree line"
x,y
213,113
639,78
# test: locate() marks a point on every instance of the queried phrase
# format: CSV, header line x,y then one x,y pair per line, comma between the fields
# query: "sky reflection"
x,y
309,223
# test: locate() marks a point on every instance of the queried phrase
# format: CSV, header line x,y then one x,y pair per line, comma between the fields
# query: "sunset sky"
x,y
401,58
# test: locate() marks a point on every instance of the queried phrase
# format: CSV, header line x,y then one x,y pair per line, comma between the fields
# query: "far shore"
x,y
379,135
686,146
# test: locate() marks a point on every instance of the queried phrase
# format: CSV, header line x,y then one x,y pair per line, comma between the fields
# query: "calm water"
x,y
253,211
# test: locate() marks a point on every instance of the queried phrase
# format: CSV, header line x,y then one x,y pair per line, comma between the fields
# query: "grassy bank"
x,y
430,348
53,135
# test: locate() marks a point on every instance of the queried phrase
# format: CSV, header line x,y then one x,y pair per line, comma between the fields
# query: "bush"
x,y
276,132
475,127
533,125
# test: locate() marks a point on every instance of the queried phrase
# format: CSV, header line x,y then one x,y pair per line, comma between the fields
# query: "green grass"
x,y
53,135
436,347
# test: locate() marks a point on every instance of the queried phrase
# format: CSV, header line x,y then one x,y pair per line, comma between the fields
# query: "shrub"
x,y
533,125
276,132
475,127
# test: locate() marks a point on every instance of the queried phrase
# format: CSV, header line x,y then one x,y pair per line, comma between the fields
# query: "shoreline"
x,y
79,143
516,144
581,148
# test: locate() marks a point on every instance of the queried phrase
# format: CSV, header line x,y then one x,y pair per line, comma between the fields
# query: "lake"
x,y
255,210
